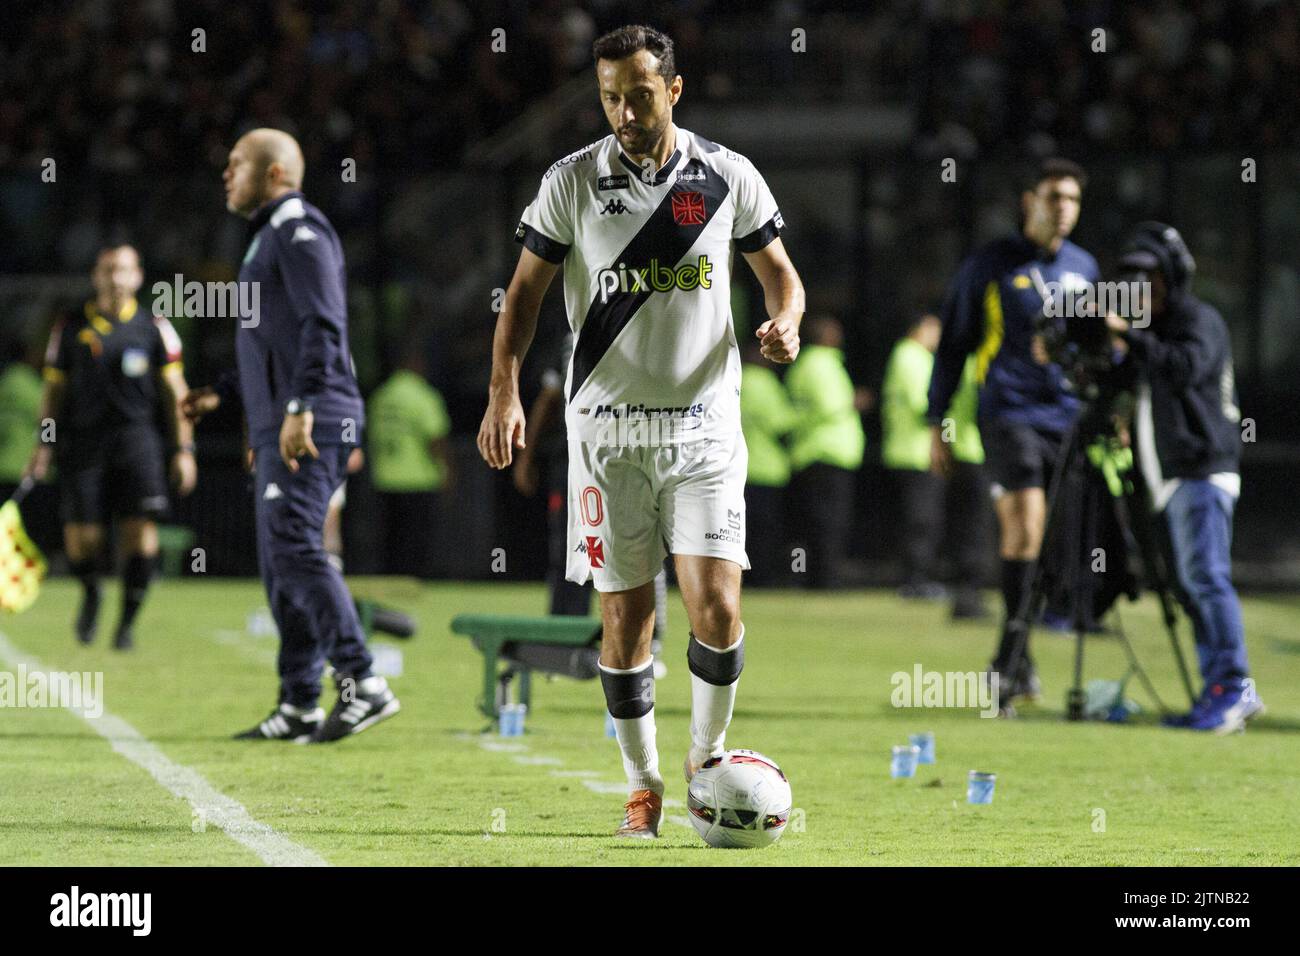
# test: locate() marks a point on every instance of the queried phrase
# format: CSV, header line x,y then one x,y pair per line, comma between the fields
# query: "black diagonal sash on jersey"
x,y
659,238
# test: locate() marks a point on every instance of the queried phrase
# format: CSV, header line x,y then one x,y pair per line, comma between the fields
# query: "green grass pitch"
x,y
430,787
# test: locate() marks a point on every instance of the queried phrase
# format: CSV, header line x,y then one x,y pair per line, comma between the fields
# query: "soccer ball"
x,y
739,799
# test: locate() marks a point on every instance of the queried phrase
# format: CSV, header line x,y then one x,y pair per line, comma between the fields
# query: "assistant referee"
x,y
99,422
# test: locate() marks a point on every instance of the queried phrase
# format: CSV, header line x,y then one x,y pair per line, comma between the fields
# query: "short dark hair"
x,y
623,42
1056,167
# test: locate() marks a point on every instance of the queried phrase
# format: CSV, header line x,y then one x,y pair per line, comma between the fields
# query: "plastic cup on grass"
x,y
903,763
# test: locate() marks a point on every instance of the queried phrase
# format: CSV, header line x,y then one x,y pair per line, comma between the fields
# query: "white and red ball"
x,y
739,799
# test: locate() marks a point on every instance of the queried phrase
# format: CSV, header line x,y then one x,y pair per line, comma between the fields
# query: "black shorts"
x,y
1018,456
119,471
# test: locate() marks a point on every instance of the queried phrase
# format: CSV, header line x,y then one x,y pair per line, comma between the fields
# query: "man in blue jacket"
x,y
1025,404
1186,430
304,414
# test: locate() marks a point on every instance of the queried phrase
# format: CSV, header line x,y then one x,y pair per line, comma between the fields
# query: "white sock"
x,y
636,739
711,708
374,684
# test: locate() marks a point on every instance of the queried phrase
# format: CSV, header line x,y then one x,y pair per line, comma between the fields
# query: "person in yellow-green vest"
x,y
407,433
905,452
920,492
20,405
766,417
970,513
825,451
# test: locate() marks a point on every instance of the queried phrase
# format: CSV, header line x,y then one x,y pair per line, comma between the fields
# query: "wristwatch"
x,y
296,406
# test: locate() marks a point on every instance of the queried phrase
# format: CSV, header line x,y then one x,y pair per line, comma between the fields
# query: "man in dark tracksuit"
x,y
1025,406
1186,432
304,414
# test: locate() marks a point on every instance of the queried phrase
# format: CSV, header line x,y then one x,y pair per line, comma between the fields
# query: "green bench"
x,y
565,645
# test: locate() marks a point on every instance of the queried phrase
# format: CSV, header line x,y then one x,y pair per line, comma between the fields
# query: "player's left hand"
x,y
184,472
779,339
295,440
1116,324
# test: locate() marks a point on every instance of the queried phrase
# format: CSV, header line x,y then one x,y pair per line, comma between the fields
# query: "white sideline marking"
x,y
271,847
605,786
240,642
596,786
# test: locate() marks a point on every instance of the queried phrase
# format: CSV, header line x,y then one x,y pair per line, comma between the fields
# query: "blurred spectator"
x,y
828,445
20,403
332,533
407,427
543,464
905,451
766,416
969,507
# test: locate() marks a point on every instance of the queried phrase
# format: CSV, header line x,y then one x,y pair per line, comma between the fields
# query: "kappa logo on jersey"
x,y
614,182
614,207
655,278
688,209
595,551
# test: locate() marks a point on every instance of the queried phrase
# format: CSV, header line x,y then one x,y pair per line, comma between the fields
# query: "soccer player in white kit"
x,y
644,222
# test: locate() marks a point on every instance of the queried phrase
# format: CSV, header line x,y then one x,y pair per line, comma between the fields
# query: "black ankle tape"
x,y
719,668
632,695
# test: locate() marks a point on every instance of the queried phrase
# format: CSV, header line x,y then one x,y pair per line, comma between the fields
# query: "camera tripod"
x,y
1077,499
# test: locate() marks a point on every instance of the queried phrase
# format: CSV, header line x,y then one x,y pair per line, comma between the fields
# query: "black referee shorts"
x,y
116,472
1018,456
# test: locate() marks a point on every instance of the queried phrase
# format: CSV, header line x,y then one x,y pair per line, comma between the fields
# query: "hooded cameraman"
x,y
1188,445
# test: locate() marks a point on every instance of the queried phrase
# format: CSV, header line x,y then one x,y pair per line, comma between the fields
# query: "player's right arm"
x,y
503,423
963,319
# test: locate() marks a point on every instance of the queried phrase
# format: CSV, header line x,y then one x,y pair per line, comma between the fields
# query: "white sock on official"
x,y
636,739
374,684
711,707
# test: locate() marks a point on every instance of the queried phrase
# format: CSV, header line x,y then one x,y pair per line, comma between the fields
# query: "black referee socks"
x,y
87,572
135,585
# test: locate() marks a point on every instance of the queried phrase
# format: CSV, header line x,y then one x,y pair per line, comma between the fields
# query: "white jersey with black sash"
x,y
647,257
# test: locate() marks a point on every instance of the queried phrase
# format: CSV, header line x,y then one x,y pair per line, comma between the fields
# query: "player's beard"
x,y
645,139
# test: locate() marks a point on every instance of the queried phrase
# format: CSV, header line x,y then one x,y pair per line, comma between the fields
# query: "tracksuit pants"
x,y
309,601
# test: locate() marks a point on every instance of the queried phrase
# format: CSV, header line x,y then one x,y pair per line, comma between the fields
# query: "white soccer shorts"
x,y
632,506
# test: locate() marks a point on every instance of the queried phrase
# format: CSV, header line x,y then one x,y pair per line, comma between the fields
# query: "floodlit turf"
x,y
429,787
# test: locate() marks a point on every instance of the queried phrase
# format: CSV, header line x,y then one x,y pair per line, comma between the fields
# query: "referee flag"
x,y
21,563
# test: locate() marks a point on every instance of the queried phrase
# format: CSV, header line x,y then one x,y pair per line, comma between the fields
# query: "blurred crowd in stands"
x,y
138,102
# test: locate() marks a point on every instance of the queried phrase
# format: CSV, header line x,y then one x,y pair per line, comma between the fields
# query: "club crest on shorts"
x,y
595,551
